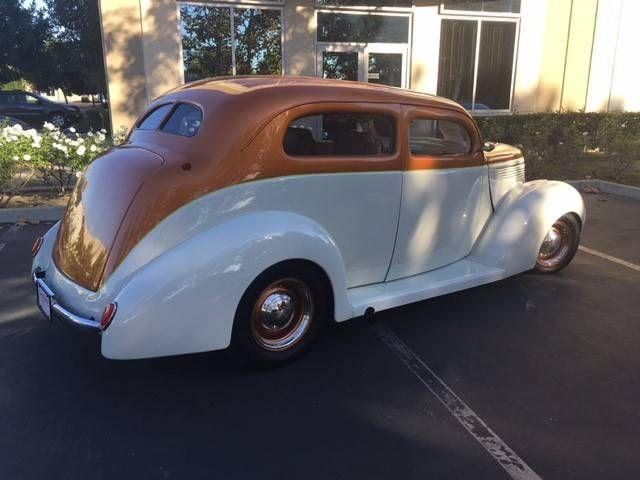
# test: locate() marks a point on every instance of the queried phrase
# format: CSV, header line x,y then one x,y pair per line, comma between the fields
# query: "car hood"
x,y
96,211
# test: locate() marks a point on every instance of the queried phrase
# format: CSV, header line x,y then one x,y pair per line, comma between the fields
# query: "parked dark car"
x,y
35,110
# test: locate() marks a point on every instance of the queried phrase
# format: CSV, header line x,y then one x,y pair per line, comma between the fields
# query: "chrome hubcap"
x,y
277,311
282,314
555,246
551,243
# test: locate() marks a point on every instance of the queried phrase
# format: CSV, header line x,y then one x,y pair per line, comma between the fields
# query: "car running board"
x,y
457,276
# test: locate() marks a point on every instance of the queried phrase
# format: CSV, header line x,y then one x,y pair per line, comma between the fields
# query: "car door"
x,y
34,110
445,195
344,160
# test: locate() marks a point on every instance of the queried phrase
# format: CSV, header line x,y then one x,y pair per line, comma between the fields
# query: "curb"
x,y
603,186
31,215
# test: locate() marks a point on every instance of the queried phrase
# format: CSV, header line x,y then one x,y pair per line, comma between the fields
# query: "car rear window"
x,y
339,134
154,119
185,121
438,137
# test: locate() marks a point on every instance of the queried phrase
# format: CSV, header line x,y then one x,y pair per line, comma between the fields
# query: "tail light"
x,y
107,315
36,246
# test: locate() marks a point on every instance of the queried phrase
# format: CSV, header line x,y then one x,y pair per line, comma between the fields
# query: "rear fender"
x,y
513,236
185,300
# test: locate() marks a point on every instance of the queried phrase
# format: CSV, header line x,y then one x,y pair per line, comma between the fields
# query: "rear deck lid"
x,y
96,210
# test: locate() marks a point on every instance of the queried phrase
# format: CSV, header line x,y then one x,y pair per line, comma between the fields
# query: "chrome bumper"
x,y
65,316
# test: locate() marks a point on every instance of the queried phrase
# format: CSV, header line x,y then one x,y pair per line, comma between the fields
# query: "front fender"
x,y
512,237
185,300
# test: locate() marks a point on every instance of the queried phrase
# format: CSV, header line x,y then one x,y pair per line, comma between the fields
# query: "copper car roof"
x,y
311,89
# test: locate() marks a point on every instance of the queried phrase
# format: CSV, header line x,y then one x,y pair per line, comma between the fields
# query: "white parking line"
x,y
611,258
490,441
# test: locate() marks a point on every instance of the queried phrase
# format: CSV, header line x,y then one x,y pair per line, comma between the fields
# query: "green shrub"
x,y
566,144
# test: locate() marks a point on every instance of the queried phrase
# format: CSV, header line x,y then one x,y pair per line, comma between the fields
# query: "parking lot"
x,y
533,376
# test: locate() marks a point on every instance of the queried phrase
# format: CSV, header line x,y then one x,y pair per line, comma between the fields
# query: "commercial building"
x,y
492,56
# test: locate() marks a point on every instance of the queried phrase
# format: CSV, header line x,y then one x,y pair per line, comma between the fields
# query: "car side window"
x,y
154,119
438,137
185,121
31,100
340,134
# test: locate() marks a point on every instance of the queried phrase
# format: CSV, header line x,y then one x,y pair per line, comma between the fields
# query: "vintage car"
x,y
254,210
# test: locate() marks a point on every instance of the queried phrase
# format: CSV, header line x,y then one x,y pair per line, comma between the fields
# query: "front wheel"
x,y
559,245
280,314
58,120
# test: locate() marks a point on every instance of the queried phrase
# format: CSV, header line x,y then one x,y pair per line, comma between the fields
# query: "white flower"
x,y
72,130
81,150
16,158
102,130
584,134
49,126
93,148
27,157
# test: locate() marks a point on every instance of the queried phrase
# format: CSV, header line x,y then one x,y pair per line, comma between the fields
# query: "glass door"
x,y
386,65
381,64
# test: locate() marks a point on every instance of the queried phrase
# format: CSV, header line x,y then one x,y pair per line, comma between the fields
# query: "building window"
x,y
340,134
364,28
364,3
485,6
476,62
220,41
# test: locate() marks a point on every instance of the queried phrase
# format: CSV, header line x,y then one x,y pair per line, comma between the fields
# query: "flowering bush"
x,y
55,156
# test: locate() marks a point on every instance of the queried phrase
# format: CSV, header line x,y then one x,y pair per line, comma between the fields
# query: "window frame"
x,y
362,8
479,18
442,10
230,5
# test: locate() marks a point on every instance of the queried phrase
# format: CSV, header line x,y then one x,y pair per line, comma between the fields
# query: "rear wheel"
x,y
559,245
281,314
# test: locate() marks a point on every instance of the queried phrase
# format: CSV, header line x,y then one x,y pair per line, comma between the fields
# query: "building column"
x,y
123,60
299,38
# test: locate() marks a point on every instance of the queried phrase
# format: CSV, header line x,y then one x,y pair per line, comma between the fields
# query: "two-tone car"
x,y
253,211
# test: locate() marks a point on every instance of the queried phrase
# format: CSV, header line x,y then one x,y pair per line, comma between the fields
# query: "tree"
x,y
75,48
23,34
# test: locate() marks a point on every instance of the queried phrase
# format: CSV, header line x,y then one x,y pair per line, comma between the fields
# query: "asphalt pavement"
x,y
547,365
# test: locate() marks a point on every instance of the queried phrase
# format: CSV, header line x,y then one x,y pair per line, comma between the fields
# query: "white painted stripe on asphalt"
x,y
611,258
490,441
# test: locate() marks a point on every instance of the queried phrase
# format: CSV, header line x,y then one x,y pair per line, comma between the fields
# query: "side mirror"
x,y
488,146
